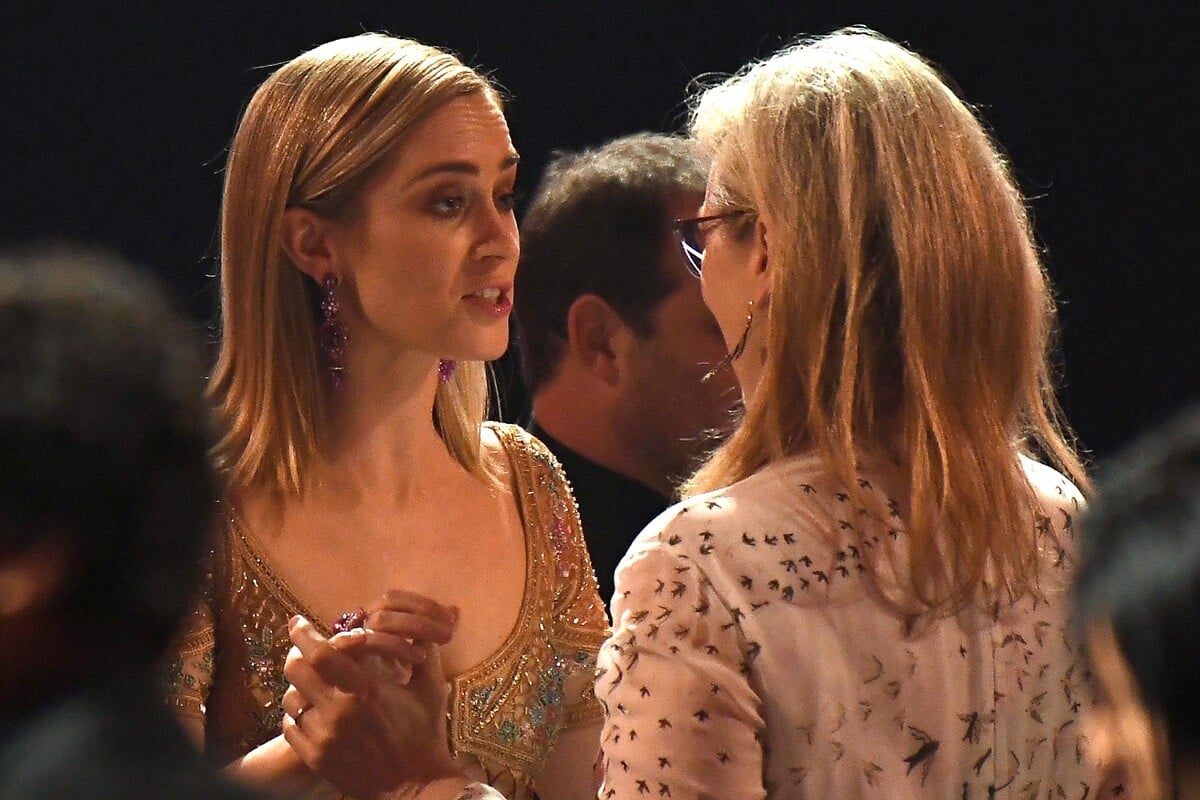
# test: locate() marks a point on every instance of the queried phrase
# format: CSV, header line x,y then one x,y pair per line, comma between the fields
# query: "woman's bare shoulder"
x,y
498,443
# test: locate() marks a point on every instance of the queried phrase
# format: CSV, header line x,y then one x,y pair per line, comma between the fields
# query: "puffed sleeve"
x,y
580,622
191,662
681,718
190,670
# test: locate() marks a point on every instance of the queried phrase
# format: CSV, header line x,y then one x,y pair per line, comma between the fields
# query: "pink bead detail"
x,y
350,620
332,334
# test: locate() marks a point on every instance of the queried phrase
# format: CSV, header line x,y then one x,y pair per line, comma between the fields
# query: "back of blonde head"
x,y
909,315
311,137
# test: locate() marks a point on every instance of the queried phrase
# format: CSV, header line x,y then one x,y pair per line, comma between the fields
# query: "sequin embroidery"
x,y
504,714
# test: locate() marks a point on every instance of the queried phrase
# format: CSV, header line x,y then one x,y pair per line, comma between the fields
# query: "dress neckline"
x,y
522,493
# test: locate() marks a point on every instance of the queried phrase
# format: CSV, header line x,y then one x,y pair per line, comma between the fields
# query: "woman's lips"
x,y
495,301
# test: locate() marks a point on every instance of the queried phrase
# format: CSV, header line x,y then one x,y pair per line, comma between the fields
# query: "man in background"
x,y
615,336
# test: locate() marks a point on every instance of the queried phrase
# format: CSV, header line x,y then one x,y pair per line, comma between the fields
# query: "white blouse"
x,y
753,655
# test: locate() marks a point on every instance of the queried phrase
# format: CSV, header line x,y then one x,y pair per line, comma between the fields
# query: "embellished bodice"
x,y
504,713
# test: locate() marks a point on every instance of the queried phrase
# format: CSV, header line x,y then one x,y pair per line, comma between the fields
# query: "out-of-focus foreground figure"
x,y
106,509
1138,602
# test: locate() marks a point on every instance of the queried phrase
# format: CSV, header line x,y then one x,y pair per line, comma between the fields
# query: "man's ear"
x,y
592,329
305,237
33,579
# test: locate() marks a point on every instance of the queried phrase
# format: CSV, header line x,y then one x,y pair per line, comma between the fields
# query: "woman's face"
x,y
732,275
428,260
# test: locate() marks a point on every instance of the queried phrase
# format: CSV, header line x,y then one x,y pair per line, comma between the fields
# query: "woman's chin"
x,y
489,352
496,349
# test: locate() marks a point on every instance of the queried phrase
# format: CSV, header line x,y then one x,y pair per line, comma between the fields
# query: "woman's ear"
x,y
305,238
760,261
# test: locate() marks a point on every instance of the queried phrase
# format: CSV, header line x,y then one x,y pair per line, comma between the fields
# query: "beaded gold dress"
x,y
505,713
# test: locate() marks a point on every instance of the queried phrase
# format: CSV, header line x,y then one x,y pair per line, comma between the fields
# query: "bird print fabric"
x,y
757,652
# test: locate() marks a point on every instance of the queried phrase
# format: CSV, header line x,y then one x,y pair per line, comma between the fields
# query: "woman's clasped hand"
x,y
366,709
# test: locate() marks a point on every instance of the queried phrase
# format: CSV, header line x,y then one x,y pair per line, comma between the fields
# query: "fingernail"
x,y
292,622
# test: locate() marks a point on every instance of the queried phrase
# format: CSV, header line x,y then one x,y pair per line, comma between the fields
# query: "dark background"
x,y
114,122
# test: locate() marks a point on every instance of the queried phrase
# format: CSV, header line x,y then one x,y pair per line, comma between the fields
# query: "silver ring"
x,y
300,713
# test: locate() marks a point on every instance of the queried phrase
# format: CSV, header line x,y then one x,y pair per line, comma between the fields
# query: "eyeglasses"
x,y
693,233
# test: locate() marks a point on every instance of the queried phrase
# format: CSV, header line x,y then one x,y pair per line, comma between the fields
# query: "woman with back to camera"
x,y
863,595
367,258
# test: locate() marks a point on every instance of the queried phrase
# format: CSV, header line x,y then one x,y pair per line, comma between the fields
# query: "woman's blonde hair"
x,y
908,314
311,137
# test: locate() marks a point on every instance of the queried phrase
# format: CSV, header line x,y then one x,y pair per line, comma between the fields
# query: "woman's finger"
x,y
328,665
413,603
294,702
304,746
381,643
308,683
409,625
429,682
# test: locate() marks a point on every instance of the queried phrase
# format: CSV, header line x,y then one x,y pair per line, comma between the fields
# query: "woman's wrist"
x,y
456,787
275,767
440,765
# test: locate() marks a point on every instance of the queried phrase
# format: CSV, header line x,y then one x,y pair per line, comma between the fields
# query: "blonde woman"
x,y
862,595
367,258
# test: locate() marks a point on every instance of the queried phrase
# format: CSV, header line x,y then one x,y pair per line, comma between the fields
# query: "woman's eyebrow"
x,y
463,167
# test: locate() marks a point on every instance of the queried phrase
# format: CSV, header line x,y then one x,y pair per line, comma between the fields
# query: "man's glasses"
x,y
693,233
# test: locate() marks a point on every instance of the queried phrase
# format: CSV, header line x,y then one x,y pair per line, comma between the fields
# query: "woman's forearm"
x,y
447,788
274,767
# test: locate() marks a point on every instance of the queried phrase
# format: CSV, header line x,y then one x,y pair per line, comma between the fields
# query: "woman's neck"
x,y
381,431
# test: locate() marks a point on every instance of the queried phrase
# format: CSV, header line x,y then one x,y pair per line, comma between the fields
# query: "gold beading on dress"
x,y
505,713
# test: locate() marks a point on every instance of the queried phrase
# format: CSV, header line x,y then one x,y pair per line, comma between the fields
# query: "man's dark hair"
x,y
597,225
1140,570
104,435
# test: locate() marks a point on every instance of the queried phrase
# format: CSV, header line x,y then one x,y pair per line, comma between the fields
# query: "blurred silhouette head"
x,y
106,493
1138,603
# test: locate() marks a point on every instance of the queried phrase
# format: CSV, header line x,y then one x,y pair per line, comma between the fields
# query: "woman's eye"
x,y
508,201
450,206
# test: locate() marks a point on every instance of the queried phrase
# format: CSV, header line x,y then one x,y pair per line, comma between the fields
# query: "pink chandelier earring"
x,y
333,334
446,367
